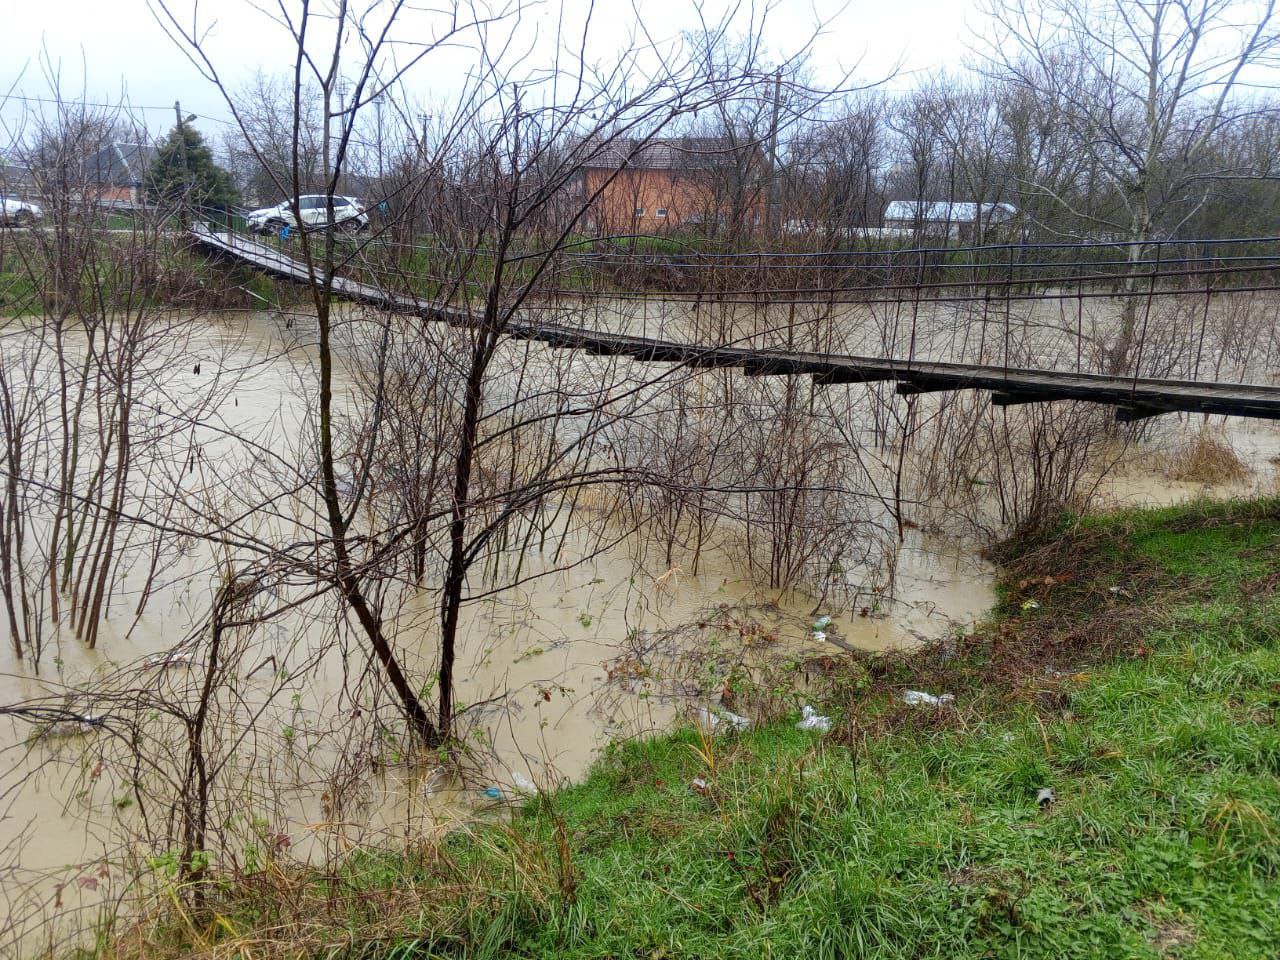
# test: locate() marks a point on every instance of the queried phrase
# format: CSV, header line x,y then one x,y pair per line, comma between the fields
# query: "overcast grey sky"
x,y
106,50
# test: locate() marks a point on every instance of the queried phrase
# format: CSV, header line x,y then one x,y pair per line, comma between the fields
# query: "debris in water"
x,y
78,724
819,629
810,720
918,698
172,658
433,781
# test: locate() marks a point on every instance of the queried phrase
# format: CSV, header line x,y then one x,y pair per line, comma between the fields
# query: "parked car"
x,y
19,213
348,213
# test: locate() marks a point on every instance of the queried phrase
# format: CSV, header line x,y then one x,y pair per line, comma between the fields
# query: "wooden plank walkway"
x,y
1133,397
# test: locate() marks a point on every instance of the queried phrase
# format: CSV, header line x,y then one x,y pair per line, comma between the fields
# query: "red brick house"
x,y
657,186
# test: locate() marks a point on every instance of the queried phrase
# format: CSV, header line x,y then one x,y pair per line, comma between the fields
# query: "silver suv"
x,y
348,214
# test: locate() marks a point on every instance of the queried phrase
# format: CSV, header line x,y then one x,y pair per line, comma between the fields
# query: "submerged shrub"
x,y
1207,458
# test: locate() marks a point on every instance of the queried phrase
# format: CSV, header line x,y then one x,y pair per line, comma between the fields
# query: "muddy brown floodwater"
x,y
544,647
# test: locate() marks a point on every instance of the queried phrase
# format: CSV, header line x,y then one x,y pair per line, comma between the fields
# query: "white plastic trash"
x,y
435,780
918,698
173,658
809,720
711,719
820,636
522,783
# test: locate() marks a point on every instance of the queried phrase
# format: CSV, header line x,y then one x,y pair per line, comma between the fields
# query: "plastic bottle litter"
x,y
493,793
819,630
712,719
809,720
918,698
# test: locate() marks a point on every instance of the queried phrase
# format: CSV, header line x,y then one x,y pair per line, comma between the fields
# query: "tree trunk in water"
x,y
456,574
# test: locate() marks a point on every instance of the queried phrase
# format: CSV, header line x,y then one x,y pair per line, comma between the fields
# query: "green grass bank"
x,y
1132,667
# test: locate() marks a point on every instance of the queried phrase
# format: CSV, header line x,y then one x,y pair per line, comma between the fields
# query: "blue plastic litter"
x,y
493,793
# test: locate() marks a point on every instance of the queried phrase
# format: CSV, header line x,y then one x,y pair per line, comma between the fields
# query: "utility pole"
x,y
342,122
773,208
182,153
377,109
425,118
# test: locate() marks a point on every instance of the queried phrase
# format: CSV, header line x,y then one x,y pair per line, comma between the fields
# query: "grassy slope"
x,y
910,834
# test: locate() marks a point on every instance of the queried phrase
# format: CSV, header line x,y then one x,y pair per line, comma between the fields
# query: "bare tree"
x,y
1145,87
502,226
264,168
835,168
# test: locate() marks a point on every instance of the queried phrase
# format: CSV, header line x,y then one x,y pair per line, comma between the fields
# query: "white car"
x,y
19,213
348,213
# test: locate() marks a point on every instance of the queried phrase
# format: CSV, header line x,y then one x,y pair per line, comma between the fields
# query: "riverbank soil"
x,y
1105,784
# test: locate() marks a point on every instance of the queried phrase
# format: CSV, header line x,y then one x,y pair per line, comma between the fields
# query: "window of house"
x,y
662,211
639,211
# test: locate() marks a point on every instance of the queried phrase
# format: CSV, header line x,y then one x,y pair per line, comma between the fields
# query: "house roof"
x,y
15,175
945,211
673,153
120,164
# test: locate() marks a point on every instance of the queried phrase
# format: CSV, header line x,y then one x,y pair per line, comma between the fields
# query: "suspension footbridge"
x,y
1134,398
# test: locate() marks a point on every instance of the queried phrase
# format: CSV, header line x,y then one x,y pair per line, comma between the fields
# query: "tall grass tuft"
x,y
1207,458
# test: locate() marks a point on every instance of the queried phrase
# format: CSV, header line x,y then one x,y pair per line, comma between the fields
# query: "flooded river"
x,y
540,656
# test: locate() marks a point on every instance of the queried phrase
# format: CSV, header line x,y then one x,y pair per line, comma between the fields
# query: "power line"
x,y
127,107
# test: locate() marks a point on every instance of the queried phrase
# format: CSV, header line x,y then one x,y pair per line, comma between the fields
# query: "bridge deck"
x,y
1134,397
